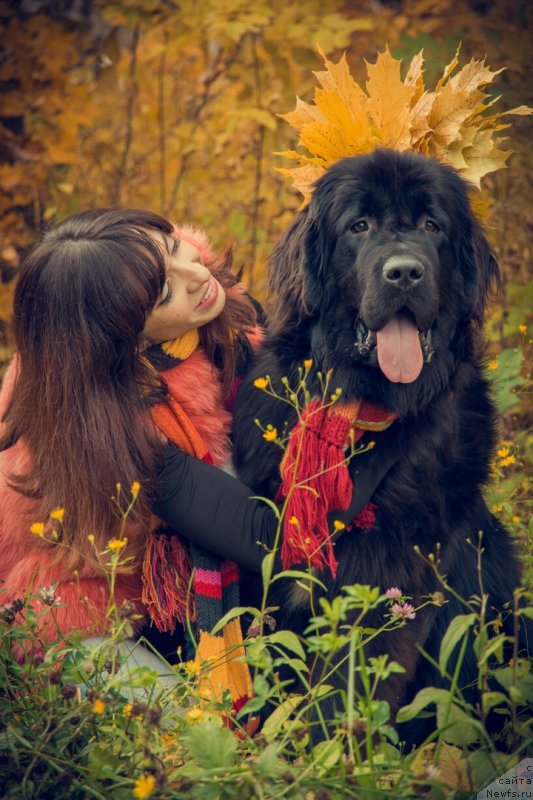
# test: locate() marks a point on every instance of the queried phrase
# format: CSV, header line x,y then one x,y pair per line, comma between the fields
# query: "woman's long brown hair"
x,y
80,396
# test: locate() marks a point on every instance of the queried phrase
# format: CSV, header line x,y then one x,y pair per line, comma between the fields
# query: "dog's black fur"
x,y
390,233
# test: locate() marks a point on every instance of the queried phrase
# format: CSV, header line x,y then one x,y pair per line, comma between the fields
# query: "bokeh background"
x,y
174,105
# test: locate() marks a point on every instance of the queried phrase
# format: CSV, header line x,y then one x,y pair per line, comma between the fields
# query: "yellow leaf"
x,y
449,123
337,80
448,71
415,76
472,76
302,114
448,112
389,101
303,179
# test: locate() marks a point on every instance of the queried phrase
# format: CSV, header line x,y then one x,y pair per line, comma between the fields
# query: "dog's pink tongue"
x,y
399,352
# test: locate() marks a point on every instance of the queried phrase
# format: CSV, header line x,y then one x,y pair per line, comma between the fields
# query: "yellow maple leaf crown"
x,y
449,123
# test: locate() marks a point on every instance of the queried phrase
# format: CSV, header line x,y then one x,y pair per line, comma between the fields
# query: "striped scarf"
x,y
181,581
316,478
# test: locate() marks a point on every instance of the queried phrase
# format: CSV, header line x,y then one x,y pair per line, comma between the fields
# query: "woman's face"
x,y
191,296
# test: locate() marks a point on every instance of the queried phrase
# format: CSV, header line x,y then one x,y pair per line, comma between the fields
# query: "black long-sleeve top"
x,y
218,512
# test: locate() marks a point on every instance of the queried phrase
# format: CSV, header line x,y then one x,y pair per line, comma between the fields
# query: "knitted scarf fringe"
x,y
316,478
166,594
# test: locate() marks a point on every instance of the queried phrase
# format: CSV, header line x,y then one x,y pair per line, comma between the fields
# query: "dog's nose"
x,y
403,272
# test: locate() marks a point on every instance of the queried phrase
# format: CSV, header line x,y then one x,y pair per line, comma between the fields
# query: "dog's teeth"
x,y
425,341
360,330
368,344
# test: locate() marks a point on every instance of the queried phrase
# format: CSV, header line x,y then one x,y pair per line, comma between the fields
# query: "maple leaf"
x,y
450,123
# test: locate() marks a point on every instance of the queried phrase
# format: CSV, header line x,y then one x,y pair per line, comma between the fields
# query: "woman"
x,y
130,337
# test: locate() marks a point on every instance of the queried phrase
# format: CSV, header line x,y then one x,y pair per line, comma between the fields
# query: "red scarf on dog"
x,y
316,479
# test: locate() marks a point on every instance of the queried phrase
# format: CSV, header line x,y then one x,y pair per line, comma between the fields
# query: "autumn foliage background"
x,y
176,108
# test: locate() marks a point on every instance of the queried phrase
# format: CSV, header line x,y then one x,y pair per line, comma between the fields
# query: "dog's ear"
x,y
285,280
480,269
317,253
297,269
489,279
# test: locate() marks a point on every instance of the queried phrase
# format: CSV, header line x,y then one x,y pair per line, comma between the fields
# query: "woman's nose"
x,y
194,273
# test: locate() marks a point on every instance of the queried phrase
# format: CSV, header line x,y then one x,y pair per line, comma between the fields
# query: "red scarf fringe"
x,y
316,478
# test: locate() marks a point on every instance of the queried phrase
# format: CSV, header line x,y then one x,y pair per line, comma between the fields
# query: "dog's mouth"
x,y
401,347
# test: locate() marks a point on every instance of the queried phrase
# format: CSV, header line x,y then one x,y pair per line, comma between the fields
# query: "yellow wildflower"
x,y
493,365
308,363
261,383
98,706
522,328
135,488
506,462
192,668
194,714
294,521
371,445
497,509
90,538
57,513
516,520
503,452
128,708
37,528
116,544
271,434
338,525
144,786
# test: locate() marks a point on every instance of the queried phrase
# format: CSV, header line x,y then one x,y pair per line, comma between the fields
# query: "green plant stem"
x,y
451,695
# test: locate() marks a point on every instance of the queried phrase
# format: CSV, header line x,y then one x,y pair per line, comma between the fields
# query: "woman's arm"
x,y
218,512
213,509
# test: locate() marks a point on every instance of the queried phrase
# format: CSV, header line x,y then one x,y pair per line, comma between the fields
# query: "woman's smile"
x,y
210,295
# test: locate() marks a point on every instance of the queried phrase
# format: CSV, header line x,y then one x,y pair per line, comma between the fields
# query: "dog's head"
x,y
391,270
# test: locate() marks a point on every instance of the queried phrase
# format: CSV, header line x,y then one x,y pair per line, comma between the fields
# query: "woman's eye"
x,y
431,226
168,296
360,226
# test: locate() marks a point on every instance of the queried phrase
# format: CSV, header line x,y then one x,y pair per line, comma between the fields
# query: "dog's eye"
x,y
359,227
432,226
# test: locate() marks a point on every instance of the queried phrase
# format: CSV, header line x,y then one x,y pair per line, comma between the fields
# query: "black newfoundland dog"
x,y
384,279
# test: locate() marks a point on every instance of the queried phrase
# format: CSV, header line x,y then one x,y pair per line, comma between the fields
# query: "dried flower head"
x,y
48,595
